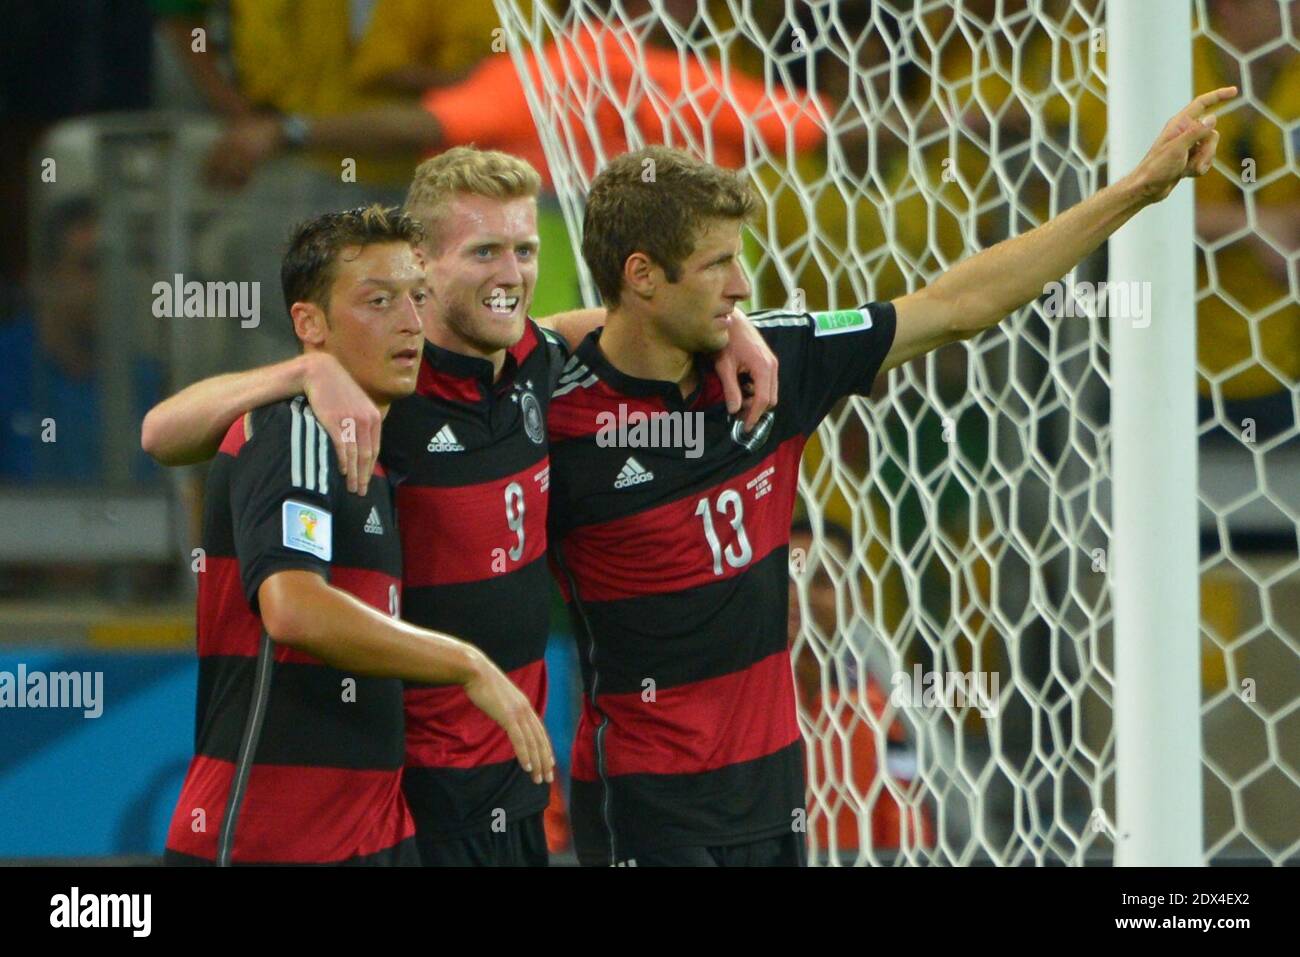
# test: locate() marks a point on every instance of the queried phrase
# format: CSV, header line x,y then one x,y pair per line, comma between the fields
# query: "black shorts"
x,y
401,854
520,844
788,850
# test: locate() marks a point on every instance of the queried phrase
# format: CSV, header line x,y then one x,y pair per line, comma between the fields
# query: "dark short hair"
x,y
309,265
654,201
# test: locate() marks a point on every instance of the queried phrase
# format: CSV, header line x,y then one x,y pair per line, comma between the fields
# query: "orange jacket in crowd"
x,y
840,732
598,74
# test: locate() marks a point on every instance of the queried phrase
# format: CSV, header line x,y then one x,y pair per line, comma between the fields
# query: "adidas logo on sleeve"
x,y
373,525
633,473
445,441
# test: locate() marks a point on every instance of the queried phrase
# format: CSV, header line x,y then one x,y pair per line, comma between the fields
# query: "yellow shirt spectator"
x,y
309,57
298,56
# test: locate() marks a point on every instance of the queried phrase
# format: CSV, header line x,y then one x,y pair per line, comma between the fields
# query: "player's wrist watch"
x,y
295,129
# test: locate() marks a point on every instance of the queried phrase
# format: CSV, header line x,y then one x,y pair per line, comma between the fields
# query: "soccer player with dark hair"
x,y
675,565
299,732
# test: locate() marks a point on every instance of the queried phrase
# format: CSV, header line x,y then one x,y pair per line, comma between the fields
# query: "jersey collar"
x,y
460,366
589,352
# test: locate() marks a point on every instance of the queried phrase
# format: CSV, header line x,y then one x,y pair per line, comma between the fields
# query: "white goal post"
x,y
1153,423
1023,511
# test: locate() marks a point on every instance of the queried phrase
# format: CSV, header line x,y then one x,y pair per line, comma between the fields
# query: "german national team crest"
x,y
532,411
756,439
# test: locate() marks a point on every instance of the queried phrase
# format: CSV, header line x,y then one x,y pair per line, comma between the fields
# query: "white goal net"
x,y
953,645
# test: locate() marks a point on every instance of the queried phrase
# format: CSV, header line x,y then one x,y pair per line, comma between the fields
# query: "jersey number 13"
x,y
738,553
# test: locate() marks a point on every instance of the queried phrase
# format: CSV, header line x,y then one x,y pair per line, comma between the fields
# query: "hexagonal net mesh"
x,y
952,620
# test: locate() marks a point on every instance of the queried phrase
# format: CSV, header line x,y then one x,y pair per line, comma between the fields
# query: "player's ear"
x,y
309,323
641,275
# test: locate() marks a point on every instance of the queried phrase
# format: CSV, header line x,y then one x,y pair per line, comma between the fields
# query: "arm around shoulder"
x,y
187,428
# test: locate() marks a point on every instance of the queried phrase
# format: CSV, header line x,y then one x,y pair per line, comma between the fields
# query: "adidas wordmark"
x,y
632,473
445,441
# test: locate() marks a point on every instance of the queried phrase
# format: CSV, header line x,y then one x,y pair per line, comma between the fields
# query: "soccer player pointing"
x,y
299,740
674,566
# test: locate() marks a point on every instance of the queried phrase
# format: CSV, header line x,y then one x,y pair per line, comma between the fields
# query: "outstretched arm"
x,y
189,426
253,139
981,291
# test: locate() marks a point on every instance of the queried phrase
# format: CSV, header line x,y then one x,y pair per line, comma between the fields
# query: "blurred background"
x,y
148,138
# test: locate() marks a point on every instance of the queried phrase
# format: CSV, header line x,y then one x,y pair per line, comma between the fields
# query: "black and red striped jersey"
x,y
295,761
473,456
669,537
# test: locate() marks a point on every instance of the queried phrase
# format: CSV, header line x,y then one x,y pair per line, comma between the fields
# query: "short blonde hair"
x,y
466,170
